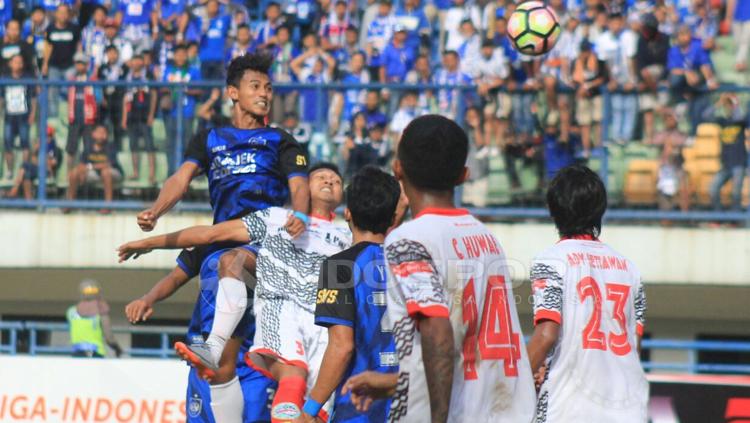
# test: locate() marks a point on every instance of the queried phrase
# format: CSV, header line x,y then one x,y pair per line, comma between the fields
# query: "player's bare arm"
x,y
231,230
335,362
437,354
141,309
173,190
368,386
299,190
546,334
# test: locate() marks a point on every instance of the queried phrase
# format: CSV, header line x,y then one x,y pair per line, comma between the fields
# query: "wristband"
x,y
312,407
301,216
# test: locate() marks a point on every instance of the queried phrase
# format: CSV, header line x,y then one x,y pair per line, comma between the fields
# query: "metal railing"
x,y
165,350
41,201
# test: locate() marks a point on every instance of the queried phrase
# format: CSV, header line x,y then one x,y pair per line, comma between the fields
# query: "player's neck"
x,y
421,200
247,121
322,211
366,236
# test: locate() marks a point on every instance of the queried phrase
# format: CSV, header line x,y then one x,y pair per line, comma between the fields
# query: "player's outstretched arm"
x,y
231,230
299,190
437,355
173,190
368,386
335,362
141,309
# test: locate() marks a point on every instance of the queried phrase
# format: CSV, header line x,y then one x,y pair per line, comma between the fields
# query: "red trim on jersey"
x,y
408,268
436,310
639,329
442,212
250,363
327,219
583,237
538,284
323,415
273,354
547,315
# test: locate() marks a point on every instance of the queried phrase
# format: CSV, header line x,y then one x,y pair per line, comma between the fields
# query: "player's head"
x,y
577,200
432,154
248,84
371,199
326,186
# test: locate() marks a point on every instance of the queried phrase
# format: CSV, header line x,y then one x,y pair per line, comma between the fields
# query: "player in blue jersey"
x,y
351,301
256,388
249,167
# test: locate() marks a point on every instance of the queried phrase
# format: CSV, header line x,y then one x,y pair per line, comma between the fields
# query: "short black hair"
x,y
259,61
325,165
433,151
372,196
243,26
577,200
111,47
180,46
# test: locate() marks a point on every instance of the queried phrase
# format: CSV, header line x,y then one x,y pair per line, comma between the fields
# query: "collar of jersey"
x,y
442,212
583,237
327,219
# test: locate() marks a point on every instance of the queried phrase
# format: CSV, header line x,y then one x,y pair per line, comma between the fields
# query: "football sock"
x,y
227,402
231,302
287,403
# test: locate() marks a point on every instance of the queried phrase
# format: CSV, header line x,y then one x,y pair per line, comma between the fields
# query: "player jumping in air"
x,y
449,288
286,339
249,167
593,372
351,300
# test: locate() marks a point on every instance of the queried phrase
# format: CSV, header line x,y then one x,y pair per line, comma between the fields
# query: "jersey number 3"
x,y
593,337
496,338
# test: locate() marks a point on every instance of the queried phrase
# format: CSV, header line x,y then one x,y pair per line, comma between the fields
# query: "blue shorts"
x,y
257,390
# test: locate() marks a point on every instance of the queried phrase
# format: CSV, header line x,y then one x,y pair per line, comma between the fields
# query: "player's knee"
x,y
230,264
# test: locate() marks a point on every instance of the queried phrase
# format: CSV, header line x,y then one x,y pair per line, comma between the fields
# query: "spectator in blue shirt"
x,y
397,58
137,18
333,30
373,115
354,98
690,71
265,33
242,44
450,74
177,72
314,101
6,14
173,14
413,18
215,30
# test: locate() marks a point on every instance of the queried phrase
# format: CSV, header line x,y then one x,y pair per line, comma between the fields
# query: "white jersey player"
x,y
589,314
450,301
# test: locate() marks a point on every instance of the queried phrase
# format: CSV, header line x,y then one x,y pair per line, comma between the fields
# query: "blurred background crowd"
x,y
638,88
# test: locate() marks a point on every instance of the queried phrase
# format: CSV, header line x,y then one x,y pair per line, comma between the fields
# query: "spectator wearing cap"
x,y
738,18
422,74
690,71
397,58
82,108
589,75
412,17
179,71
618,47
213,40
110,110
29,171
12,44
124,47
139,22
63,41
93,37
379,33
333,28
265,33
651,64
20,108
138,112
451,75
458,13
492,70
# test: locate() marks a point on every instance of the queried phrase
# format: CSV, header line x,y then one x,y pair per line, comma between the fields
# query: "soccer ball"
x,y
533,28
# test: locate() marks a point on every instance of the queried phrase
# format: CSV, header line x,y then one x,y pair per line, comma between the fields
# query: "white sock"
x,y
231,302
227,402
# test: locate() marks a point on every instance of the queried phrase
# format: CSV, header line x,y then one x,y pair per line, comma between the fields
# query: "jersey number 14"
x,y
495,335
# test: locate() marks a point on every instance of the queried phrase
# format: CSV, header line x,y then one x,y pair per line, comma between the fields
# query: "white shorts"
x,y
287,332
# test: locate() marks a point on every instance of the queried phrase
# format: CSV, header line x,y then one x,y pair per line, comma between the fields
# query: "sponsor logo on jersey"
x,y
257,142
218,148
378,298
388,359
285,411
195,406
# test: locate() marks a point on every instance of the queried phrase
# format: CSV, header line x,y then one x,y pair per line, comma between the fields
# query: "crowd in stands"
x,y
647,62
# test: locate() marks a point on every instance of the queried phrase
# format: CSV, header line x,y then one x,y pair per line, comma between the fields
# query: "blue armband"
x,y
301,216
312,407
